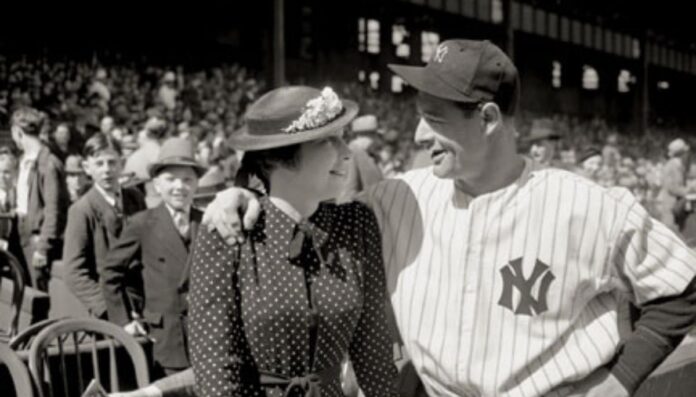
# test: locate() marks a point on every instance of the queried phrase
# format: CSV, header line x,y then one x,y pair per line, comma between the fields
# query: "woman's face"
x,y
323,167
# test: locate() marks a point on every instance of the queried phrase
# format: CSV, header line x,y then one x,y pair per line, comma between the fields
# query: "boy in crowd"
x,y
157,242
95,221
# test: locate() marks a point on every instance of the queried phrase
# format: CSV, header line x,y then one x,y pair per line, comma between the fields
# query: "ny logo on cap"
x,y
513,276
440,53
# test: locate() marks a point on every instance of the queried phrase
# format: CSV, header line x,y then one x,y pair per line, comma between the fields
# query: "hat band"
x,y
178,159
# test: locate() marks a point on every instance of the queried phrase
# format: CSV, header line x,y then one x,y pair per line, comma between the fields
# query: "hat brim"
x,y
242,139
155,168
422,80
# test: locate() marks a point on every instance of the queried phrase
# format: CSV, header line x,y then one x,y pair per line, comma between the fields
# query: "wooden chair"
x,y
18,372
60,347
12,269
23,340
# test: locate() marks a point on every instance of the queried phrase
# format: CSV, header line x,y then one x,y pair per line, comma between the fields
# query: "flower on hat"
x,y
317,112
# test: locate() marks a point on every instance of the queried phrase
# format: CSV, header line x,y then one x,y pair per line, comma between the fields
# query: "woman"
x,y
276,315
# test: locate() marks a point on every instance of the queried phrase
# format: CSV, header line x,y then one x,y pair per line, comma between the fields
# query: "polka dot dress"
x,y
292,300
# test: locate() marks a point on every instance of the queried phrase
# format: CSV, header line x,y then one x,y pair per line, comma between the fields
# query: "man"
x,y
364,171
42,197
673,187
95,222
544,142
157,242
75,178
9,234
168,93
150,140
590,162
506,277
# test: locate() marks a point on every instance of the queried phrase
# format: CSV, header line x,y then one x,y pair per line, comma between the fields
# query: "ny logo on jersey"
x,y
440,53
513,277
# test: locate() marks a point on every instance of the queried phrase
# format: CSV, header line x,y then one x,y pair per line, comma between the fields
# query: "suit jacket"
x,y
48,204
93,226
152,243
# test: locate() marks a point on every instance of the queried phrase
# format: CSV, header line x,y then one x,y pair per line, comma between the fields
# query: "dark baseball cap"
x,y
467,71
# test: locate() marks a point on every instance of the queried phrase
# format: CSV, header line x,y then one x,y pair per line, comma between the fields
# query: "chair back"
x,y
66,355
18,372
23,340
13,270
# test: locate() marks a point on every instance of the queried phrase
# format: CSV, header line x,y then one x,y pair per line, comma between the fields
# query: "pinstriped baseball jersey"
x,y
515,292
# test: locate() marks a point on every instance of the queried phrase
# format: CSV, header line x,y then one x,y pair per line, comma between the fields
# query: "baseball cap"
x,y
468,71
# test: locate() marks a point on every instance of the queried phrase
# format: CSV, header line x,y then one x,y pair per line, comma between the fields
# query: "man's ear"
x,y
491,117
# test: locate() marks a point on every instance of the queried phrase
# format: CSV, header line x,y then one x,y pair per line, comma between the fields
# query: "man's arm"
x,y
237,209
56,201
660,270
79,262
116,266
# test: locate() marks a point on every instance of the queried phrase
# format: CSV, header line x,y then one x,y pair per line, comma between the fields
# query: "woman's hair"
x,y
260,164
98,143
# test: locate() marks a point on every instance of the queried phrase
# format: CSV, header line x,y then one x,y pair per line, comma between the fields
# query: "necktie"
x,y
181,222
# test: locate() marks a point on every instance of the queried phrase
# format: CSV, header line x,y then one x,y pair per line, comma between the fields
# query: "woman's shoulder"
x,y
210,244
352,215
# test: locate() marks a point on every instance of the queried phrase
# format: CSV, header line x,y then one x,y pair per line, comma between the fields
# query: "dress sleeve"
x,y
215,326
371,348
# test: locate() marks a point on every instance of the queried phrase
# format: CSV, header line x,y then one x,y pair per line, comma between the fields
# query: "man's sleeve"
x,y
56,202
659,270
79,262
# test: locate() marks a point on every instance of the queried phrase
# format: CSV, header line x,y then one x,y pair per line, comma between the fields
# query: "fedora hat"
x,y
176,152
292,115
542,129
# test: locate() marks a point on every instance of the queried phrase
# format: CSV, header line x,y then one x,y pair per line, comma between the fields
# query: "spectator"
x,y
673,183
159,240
544,143
610,152
42,197
590,163
95,221
75,179
168,93
9,234
150,139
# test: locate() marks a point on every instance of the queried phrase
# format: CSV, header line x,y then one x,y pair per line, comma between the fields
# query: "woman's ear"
x,y
491,117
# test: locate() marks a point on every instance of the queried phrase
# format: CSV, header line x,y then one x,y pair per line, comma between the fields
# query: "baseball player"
x,y
506,278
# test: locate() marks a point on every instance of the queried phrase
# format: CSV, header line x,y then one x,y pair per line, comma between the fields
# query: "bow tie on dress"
x,y
307,231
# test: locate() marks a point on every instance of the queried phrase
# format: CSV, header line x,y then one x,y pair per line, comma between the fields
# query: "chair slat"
x,y
78,355
62,367
95,360
113,367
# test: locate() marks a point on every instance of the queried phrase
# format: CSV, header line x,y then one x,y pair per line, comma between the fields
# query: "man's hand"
x,y
39,260
600,383
135,328
223,214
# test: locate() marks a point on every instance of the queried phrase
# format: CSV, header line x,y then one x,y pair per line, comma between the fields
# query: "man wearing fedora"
x,y
157,243
543,141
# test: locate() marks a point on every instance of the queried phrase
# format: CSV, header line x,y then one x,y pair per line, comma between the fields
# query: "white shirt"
x,y
115,201
25,166
453,275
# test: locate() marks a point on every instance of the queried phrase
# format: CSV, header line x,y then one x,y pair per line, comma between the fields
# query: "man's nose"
x,y
424,133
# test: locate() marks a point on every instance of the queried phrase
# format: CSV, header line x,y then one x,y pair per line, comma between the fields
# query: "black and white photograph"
x,y
348,198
